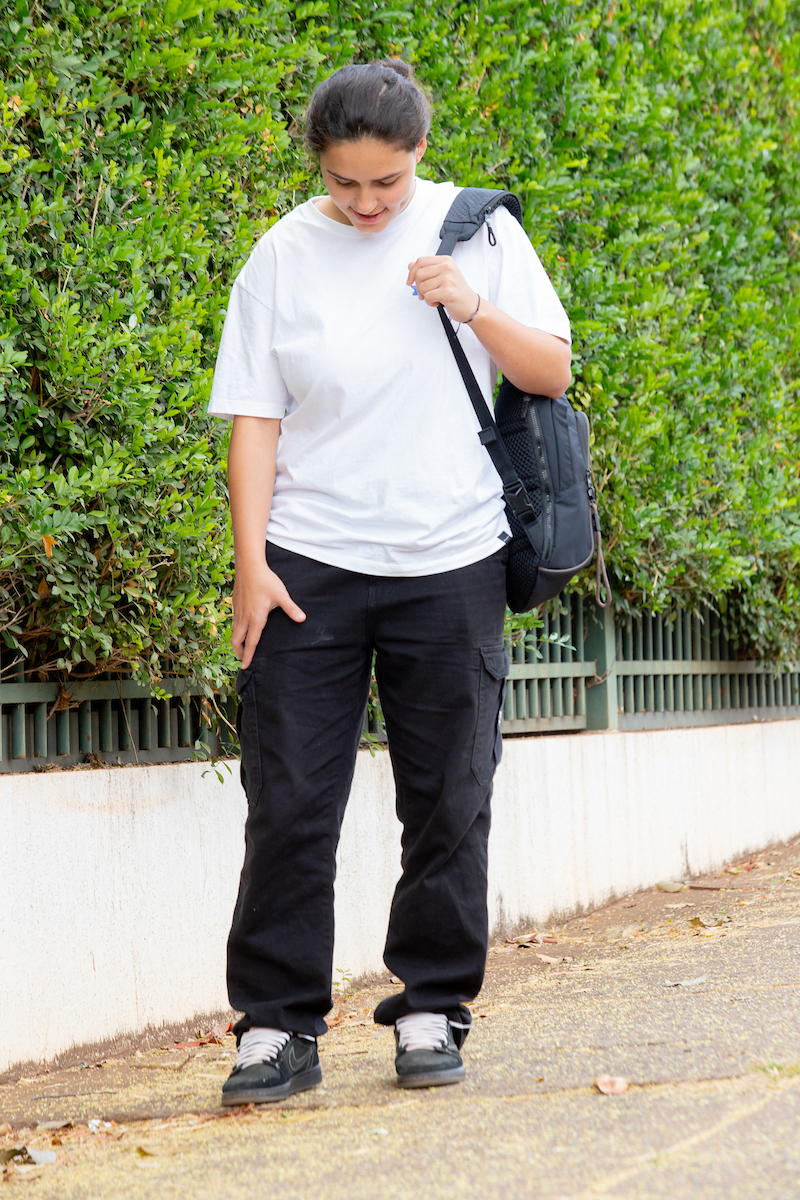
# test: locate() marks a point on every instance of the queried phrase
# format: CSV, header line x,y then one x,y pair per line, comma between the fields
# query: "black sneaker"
x,y
426,1052
272,1068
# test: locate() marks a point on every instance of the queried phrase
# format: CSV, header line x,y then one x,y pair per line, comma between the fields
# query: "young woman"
x,y
354,458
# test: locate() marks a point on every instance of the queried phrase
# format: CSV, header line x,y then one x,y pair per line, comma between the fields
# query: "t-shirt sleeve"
x,y
247,378
519,284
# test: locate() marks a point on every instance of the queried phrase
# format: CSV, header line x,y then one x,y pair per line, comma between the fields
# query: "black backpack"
x,y
540,448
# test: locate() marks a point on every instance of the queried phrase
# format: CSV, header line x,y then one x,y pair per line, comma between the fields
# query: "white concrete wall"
x,y
117,886
116,890
580,818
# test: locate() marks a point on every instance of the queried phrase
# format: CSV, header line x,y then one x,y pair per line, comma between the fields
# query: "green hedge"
x,y
144,149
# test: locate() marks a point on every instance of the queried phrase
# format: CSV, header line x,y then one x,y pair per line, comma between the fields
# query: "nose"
x,y
366,204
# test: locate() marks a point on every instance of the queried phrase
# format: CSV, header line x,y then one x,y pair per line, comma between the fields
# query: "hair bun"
x,y
380,100
395,64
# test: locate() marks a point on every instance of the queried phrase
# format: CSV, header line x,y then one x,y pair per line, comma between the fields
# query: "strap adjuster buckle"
x,y
516,497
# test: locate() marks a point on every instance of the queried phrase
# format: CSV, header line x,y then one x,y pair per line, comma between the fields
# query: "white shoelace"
x,y
260,1045
422,1031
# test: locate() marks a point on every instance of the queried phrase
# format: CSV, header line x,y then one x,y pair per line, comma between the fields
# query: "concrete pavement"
x,y
693,996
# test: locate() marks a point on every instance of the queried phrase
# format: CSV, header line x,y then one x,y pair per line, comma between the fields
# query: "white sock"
x,y
422,1031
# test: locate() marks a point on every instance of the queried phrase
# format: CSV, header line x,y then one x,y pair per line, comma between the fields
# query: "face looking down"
x,y
369,181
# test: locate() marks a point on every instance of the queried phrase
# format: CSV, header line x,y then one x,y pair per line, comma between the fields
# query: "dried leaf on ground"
x,y
612,1085
526,940
41,1158
25,1154
216,1033
212,1038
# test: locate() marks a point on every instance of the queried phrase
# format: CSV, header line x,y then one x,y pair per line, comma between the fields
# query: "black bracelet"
x,y
470,319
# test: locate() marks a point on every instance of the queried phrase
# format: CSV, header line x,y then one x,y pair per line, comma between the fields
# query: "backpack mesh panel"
x,y
510,413
521,576
518,444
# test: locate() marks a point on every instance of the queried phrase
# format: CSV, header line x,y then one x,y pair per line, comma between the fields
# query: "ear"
x,y
421,148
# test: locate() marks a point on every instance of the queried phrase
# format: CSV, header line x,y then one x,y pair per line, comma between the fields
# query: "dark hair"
x,y
381,100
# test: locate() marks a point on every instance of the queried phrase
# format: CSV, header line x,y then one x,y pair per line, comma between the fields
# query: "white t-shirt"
x,y
379,466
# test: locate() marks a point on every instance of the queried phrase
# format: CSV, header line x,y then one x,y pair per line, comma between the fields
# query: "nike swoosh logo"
x,y
298,1059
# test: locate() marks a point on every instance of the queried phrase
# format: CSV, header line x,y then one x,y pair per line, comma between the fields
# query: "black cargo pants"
x,y
441,665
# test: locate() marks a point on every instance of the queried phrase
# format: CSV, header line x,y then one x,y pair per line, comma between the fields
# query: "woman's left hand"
x,y
439,281
536,362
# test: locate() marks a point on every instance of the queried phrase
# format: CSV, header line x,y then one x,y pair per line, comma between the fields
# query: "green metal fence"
x,y
547,684
611,672
651,672
108,720
683,671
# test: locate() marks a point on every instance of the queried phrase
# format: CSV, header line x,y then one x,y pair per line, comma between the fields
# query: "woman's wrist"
x,y
248,560
475,312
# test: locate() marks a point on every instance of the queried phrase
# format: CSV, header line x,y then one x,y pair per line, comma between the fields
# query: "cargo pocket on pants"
x,y
488,746
247,729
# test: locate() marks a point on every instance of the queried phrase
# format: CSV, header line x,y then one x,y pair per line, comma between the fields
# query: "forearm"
x,y
251,479
534,361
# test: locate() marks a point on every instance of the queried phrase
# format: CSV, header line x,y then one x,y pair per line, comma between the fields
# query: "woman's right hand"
x,y
256,591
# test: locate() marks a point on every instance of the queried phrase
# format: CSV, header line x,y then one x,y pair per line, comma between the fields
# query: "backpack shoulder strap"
x,y
514,492
468,212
